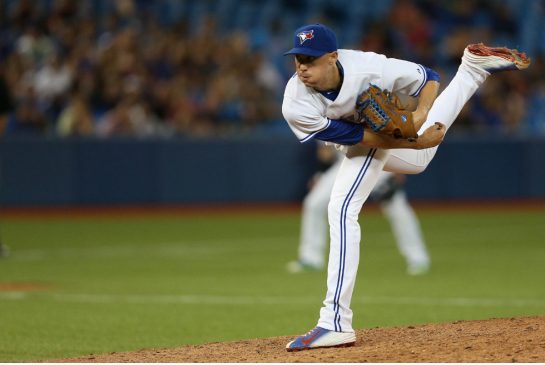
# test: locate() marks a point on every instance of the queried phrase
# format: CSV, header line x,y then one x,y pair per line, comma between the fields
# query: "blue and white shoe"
x,y
495,59
320,337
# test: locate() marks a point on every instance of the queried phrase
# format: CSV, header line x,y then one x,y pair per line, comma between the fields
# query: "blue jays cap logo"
x,y
305,35
322,38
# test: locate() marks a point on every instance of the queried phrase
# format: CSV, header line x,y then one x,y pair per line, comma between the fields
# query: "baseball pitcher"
x,y
344,97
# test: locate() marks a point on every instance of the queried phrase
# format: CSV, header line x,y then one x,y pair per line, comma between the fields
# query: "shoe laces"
x,y
312,331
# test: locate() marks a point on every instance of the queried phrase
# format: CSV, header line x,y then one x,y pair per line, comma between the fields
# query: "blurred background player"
x,y
389,193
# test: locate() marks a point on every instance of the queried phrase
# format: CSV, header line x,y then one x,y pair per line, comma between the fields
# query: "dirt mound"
x,y
494,340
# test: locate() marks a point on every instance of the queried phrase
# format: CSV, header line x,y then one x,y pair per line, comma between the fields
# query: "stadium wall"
x,y
38,172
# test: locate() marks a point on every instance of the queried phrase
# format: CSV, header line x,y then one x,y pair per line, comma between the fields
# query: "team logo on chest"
x,y
305,36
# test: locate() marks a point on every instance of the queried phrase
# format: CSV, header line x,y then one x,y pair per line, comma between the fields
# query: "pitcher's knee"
x,y
418,169
410,162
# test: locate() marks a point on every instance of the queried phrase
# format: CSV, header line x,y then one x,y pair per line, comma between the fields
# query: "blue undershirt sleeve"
x,y
432,75
341,132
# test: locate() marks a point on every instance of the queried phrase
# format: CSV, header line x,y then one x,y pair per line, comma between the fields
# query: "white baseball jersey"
x,y
309,112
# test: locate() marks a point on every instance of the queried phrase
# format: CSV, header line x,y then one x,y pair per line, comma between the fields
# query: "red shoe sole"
x,y
519,58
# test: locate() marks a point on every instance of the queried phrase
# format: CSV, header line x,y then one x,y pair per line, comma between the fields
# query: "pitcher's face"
x,y
315,72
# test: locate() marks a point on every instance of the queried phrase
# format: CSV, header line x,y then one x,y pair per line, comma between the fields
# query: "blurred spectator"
x,y
129,117
53,79
377,38
27,119
6,103
51,84
76,118
411,30
34,46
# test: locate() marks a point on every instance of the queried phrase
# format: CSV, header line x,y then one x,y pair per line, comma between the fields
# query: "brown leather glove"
x,y
383,113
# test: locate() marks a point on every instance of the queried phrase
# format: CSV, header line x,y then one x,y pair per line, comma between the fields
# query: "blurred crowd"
x,y
67,72
70,75
435,33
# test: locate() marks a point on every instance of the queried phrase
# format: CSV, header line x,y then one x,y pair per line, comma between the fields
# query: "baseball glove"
x,y
382,111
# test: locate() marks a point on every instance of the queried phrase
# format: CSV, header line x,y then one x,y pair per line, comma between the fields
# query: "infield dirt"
x,y
494,340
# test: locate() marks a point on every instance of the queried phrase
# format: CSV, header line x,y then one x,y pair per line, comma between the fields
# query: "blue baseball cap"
x,y
313,40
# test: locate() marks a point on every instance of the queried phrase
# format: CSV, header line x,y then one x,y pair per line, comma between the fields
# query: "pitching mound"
x,y
494,340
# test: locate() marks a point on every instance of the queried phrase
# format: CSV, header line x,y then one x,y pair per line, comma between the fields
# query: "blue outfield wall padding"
x,y
116,171
533,165
223,171
37,171
467,169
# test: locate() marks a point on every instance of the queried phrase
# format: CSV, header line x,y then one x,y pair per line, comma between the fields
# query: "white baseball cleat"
x,y
320,337
416,269
495,59
297,267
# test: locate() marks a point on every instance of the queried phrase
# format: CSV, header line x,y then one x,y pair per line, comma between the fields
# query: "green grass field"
x,y
119,284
